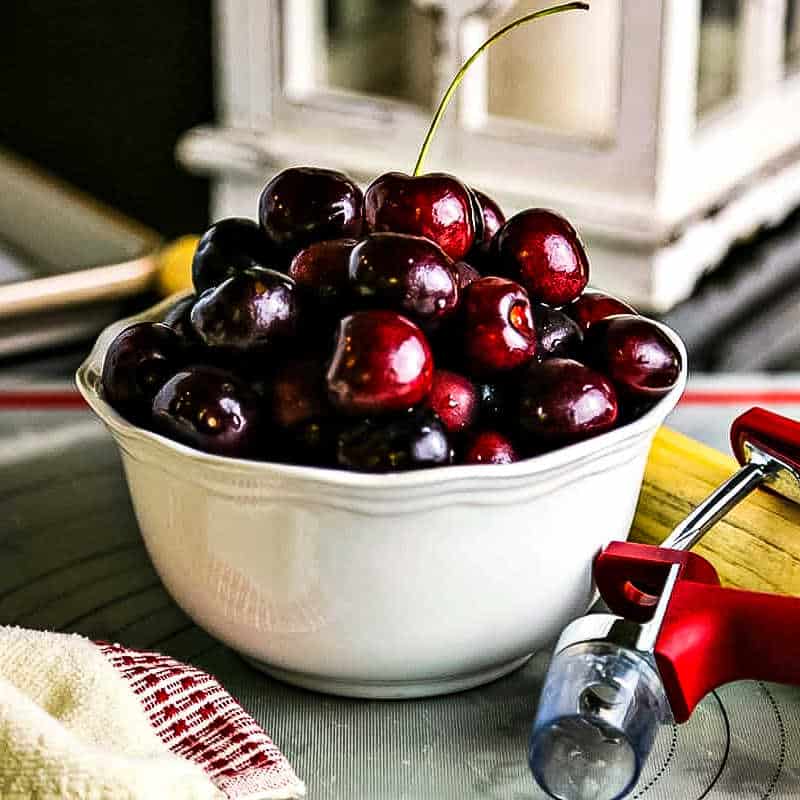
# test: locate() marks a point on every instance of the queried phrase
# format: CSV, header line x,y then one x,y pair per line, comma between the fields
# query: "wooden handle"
x,y
756,546
174,273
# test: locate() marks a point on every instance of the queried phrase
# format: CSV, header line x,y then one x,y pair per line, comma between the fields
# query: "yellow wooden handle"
x,y
174,272
756,546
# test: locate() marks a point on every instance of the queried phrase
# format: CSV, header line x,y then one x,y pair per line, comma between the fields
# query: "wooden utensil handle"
x,y
756,546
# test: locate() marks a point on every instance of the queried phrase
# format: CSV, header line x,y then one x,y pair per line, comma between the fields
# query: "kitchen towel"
x,y
89,720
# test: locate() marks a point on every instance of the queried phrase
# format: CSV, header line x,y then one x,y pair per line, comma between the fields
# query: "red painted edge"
x,y
709,397
48,399
70,398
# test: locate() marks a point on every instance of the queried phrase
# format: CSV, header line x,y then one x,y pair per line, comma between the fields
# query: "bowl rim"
x,y
87,382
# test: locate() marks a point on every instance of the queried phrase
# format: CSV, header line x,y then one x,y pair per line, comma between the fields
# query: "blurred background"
x,y
99,93
668,131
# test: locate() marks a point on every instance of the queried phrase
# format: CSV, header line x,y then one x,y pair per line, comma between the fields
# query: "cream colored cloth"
x,y
70,727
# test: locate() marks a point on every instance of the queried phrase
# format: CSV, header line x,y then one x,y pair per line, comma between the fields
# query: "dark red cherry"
x,y
634,406
635,353
299,392
465,274
250,311
489,447
312,442
178,319
498,330
594,305
436,206
302,205
382,363
493,219
558,336
454,399
542,251
138,363
477,215
563,401
209,409
412,440
227,247
494,403
405,273
321,271
493,216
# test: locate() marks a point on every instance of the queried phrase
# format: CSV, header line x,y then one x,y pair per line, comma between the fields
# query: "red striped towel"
x,y
199,721
82,719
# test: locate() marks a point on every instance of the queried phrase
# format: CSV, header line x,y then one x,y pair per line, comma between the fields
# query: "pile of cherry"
x,y
409,326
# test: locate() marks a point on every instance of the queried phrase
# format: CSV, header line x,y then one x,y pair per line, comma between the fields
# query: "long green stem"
x,y
444,102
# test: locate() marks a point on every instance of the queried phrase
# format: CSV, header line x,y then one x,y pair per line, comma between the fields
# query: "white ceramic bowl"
x,y
398,585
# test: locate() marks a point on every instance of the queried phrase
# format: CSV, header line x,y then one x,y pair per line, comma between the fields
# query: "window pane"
x,y
719,53
382,48
792,35
561,73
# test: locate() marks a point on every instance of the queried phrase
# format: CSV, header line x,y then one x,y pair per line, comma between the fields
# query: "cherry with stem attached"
x,y
437,206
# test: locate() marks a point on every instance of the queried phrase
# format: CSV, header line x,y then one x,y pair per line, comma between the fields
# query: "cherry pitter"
x,y
672,635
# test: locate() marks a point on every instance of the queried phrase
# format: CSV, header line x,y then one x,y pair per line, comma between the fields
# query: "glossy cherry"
x,y
312,442
558,336
489,447
454,398
251,311
436,206
228,247
493,216
634,406
178,318
594,305
321,270
635,353
493,219
542,251
138,363
411,440
563,401
498,331
302,205
477,215
465,274
382,363
298,392
494,403
209,409
405,273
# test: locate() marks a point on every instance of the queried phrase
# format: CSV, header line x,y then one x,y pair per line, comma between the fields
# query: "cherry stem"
x,y
450,91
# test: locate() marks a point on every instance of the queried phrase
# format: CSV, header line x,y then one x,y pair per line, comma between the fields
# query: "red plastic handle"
x,y
710,635
630,576
769,431
713,635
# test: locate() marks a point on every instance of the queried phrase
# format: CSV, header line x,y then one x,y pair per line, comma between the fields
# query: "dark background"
x,y
98,92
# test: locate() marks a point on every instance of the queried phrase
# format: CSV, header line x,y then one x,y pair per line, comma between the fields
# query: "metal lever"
x,y
767,445
762,467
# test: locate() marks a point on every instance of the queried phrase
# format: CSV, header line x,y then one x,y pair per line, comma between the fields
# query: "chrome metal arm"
x,y
690,530
762,467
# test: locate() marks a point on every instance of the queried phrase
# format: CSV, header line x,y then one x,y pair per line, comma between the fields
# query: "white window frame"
x,y
642,198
